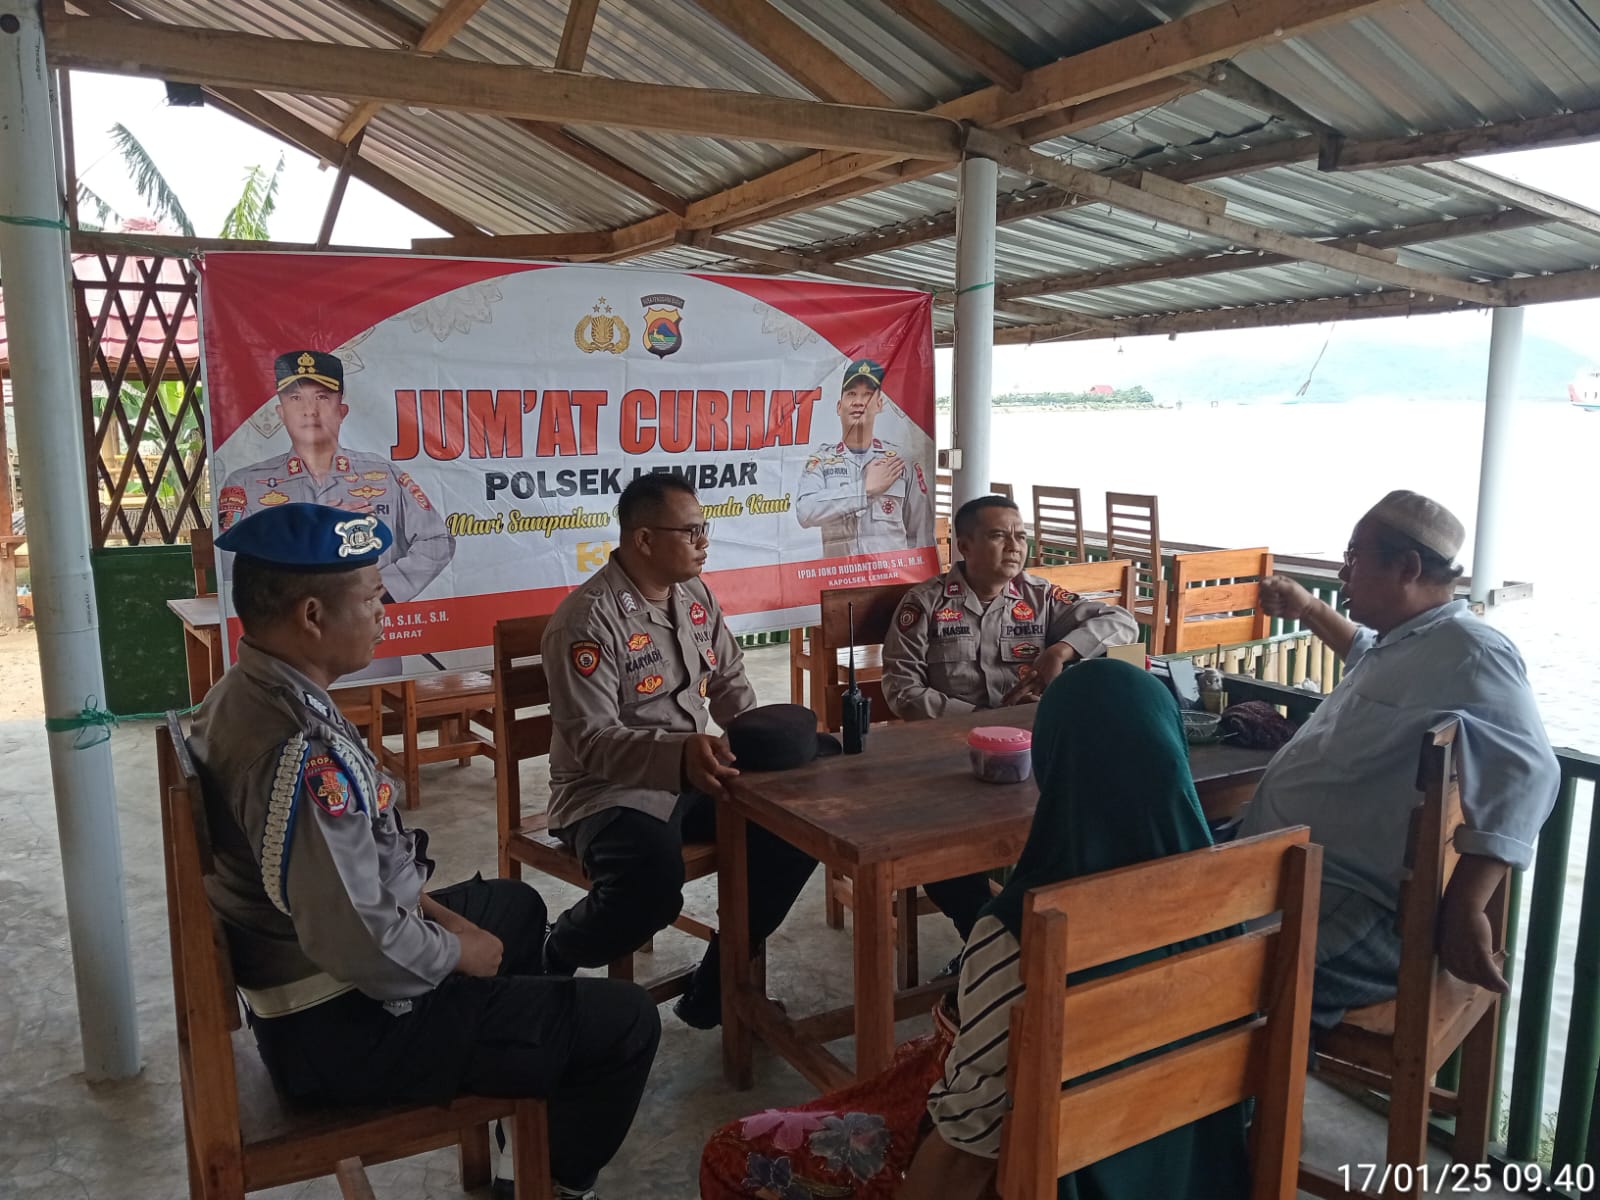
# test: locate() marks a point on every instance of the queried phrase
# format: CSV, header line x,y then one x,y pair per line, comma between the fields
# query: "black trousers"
x,y
961,899
583,1045
635,867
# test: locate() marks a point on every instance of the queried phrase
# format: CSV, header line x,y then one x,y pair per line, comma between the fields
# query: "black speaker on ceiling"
x,y
185,95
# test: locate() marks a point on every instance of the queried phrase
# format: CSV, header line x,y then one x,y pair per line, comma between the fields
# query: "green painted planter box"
x,y
141,642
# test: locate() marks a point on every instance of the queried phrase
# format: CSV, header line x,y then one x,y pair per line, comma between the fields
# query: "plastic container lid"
x,y
1000,739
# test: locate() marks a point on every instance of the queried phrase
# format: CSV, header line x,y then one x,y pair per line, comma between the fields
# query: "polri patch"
x,y
946,615
1025,651
1061,596
385,794
907,617
705,682
585,657
328,785
649,685
1022,611
697,613
638,641
711,657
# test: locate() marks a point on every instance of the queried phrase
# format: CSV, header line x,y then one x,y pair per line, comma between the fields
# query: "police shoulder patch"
x,y
908,615
585,657
328,785
1061,595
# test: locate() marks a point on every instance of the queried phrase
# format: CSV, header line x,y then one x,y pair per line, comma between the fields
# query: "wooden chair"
x,y
1240,1007
361,706
1216,599
242,1136
1115,581
1058,526
523,729
943,541
1399,1046
447,704
944,492
1133,530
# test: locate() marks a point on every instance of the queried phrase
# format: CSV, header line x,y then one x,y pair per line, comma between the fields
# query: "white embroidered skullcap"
x,y
1425,521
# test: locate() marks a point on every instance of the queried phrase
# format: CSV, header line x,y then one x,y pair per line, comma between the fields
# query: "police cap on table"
x,y
778,737
309,537
314,365
863,368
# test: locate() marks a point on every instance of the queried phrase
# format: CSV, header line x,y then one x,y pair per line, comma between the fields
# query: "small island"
x,y
1101,396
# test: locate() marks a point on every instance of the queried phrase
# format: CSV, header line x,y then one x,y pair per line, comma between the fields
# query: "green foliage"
x,y
190,440
103,212
247,219
147,178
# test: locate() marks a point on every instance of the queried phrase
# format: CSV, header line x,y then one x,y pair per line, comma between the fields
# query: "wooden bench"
x,y
523,729
1214,1025
241,1134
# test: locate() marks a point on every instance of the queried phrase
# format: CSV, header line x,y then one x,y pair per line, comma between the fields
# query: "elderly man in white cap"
x,y
1413,654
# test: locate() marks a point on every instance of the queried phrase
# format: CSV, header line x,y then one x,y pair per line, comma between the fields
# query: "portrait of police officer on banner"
x,y
319,469
861,491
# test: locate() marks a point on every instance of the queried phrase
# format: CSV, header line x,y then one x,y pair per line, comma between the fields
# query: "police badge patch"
x,y
711,657
663,333
1022,611
649,685
638,641
947,615
907,617
585,657
385,794
697,613
705,683
327,785
357,536
1061,596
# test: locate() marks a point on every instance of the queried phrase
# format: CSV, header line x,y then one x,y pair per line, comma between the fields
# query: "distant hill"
x,y
1355,368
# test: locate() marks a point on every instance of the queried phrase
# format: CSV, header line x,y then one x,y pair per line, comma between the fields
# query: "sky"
x,y
206,154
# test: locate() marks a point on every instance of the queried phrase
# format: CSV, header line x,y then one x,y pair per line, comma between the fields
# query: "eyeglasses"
x,y
695,533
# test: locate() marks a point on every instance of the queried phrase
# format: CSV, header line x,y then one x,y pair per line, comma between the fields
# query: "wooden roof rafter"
x,y
448,22
781,40
961,40
575,34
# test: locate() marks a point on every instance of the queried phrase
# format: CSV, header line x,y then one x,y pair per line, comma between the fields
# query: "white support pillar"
x,y
34,262
1505,355
974,365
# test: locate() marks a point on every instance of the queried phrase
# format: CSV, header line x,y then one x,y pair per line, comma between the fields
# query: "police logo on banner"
x,y
663,334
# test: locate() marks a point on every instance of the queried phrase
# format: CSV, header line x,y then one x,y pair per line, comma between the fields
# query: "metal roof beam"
x,y
784,43
223,59
963,41
1563,129
1195,266
575,33
1174,211
444,26
1518,195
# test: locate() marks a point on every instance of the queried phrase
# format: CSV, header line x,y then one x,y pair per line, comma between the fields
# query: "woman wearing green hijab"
x,y
1114,789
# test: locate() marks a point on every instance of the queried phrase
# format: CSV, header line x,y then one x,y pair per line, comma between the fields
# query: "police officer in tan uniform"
x,y
860,491
639,662
318,470
986,635
362,987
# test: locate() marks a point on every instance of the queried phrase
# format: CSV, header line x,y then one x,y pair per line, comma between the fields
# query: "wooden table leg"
x,y
197,663
874,963
733,924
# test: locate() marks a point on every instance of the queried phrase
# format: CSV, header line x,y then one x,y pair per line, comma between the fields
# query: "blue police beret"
x,y
864,368
309,537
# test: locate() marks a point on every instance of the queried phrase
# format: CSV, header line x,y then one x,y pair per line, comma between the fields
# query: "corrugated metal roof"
x,y
1410,67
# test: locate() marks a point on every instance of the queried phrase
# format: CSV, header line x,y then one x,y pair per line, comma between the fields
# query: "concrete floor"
x,y
65,1138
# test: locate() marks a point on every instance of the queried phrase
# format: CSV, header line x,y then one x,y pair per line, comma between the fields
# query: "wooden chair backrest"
x,y
1133,530
204,1002
1058,526
943,541
944,490
1216,599
1115,582
1430,860
519,684
1241,1006
874,607
203,558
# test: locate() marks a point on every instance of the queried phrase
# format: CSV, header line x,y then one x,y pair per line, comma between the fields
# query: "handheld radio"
x,y
857,714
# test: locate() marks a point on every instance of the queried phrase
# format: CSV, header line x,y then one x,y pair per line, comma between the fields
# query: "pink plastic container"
x,y
1000,753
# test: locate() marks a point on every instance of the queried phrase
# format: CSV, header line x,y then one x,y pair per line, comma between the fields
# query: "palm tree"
x,y
246,220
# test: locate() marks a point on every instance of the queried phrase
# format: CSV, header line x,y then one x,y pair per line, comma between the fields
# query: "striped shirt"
x,y
970,1102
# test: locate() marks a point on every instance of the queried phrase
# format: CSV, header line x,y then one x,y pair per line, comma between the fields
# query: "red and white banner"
x,y
492,412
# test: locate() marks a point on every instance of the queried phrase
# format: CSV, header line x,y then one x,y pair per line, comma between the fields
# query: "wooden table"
x,y
202,641
906,812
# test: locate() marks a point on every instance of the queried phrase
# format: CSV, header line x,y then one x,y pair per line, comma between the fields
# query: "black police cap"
x,y
778,737
314,365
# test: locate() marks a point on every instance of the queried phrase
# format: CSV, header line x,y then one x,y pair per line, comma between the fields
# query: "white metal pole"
x,y
1500,398
35,271
975,223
